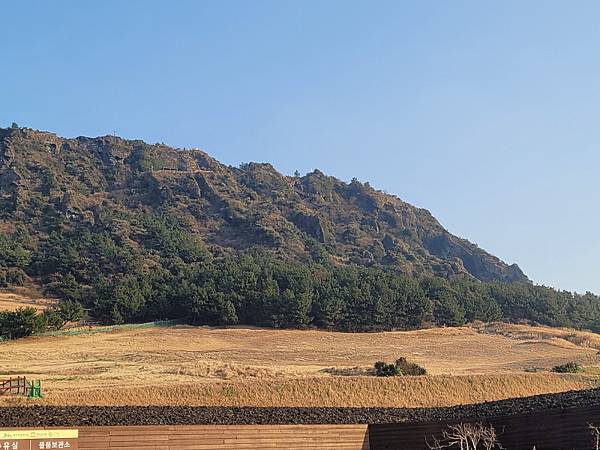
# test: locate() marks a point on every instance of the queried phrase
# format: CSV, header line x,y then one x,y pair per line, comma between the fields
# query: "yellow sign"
x,y
8,435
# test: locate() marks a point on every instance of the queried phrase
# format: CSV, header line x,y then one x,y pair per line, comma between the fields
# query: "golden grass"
x,y
566,337
250,366
10,300
429,391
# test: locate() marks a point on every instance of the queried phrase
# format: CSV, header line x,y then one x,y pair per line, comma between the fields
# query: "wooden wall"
x,y
222,437
559,429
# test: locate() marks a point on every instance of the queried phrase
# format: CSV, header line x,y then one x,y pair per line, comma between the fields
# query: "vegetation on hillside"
x,y
27,321
52,184
135,233
171,275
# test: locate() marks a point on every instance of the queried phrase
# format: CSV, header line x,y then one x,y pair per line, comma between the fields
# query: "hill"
x,y
46,180
138,232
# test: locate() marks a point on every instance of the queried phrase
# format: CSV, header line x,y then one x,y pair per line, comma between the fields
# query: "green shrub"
x,y
15,276
12,276
570,367
409,368
21,323
399,368
53,319
66,287
12,252
383,369
66,311
70,311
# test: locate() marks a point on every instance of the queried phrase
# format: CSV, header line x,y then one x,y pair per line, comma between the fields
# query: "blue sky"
x,y
484,112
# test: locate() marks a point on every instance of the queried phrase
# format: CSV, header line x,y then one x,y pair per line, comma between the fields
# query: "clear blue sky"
x,y
484,112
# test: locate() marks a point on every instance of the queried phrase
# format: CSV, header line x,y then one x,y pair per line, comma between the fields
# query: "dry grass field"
x,y
13,299
248,366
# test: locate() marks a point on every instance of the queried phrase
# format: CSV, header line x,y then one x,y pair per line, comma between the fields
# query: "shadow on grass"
x,y
348,371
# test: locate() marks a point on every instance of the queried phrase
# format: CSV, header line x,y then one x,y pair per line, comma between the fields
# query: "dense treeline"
x,y
167,273
27,321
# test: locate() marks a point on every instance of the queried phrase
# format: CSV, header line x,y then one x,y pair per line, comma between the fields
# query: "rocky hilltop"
x,y
47,182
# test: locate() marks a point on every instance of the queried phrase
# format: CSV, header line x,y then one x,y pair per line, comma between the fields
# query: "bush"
x,y
66,287
13,253
66,311
21,323
570,367
409,368
12,276
383,369
70,311
53,319
399,368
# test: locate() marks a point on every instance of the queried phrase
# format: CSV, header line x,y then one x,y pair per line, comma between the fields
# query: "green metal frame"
x,y
34,389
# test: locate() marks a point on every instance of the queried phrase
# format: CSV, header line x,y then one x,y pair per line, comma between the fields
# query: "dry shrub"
x,y
227,371
596,434
467,436
355,371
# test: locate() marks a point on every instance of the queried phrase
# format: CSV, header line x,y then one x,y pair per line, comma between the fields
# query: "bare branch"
x,y
596,433
467,436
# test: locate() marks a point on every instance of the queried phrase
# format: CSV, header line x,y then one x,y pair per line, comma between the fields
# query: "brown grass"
x,y
12,299
245,366
566,337
429,391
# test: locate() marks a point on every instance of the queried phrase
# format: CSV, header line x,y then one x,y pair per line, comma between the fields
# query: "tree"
x,y
13,253
167,235
122,300
53,319
447,310
476,302
209,307
68,289
12,276
21,323
328,306
70,311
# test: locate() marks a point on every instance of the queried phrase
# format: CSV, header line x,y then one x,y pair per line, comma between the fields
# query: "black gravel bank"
x,y
36,416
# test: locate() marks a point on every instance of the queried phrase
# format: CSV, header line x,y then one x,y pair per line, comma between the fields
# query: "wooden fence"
x,y
13,386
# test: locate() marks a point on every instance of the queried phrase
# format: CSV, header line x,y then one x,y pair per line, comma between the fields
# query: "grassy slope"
x,y
11,299
441,390
241,366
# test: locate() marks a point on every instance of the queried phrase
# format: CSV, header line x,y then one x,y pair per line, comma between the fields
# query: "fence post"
x,y
17,386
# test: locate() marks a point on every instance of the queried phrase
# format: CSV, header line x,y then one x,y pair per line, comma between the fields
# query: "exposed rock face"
x,y
86,179
480,264
311,225
9,179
